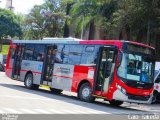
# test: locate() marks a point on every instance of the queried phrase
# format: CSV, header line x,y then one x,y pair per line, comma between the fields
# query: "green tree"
x,y
34,24
138,19
9,25
91,13
45,20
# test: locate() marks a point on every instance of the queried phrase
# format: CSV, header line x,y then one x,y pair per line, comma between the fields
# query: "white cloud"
x,y
2,3
22,6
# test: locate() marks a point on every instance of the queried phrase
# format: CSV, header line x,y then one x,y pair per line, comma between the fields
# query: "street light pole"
x,y
11,5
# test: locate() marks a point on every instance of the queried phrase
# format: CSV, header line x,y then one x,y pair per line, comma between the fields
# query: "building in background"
x,y
9,5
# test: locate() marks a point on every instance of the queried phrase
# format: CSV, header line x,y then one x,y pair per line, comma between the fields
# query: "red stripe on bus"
x,y
31,71
62,76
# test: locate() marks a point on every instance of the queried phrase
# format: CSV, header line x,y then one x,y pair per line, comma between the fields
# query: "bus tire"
x,y
116,102
56,91
85,93
29,81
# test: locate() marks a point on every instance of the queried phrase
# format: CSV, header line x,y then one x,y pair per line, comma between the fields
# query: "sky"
x,y
22,6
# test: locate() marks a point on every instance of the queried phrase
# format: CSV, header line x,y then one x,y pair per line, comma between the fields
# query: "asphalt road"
x,y
16,99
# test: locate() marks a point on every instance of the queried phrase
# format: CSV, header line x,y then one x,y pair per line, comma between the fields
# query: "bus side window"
x,y
64,54
89,55
28,52
38,54
75,54
60,54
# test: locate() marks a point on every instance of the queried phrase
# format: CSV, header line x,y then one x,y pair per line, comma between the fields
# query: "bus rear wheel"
x,y
116,102
85,93
29,82
56,91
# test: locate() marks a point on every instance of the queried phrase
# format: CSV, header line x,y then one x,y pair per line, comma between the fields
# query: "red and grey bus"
x,y
115,70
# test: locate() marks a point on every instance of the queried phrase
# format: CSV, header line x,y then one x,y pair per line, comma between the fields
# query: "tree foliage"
x,y
9,24
94,12
120,19
45,20
136,20
139,19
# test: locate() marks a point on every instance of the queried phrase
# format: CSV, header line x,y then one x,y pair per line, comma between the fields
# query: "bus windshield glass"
x,y
136,68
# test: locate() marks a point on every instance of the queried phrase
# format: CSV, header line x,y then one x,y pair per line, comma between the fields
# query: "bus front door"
x,y
17,61
48,65
105,69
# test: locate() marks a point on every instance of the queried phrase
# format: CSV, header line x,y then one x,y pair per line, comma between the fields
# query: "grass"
x,y
4,49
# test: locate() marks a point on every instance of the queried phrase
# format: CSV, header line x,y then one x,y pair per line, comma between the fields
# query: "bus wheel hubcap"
x,y
86,92
29,81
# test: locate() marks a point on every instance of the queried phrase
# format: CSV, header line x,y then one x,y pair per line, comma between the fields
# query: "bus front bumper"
x,y
118,95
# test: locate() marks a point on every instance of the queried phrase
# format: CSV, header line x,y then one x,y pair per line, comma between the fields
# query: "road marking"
x,y
81,112
22,97
97,112
42,111
28,111
56,111
49,111
69,111
2,112
10,110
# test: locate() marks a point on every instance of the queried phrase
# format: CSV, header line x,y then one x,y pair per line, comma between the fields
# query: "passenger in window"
x,y
131,68
49,55
56,59
39,57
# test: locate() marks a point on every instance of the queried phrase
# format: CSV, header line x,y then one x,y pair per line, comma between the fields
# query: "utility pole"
x,y
11,5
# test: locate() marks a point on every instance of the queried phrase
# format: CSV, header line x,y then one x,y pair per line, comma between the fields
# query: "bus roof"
x,y
67,41
77,41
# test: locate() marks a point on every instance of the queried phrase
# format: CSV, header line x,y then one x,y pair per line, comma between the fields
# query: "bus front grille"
x,y
137,97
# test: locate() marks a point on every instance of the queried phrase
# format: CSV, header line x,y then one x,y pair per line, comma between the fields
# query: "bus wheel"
x,y
56,91
85,93
29,81
116,102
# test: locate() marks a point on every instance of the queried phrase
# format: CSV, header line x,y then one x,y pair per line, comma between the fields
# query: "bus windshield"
x,y
136,68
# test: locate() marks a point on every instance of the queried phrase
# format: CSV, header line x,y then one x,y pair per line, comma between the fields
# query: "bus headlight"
x,y
121,89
